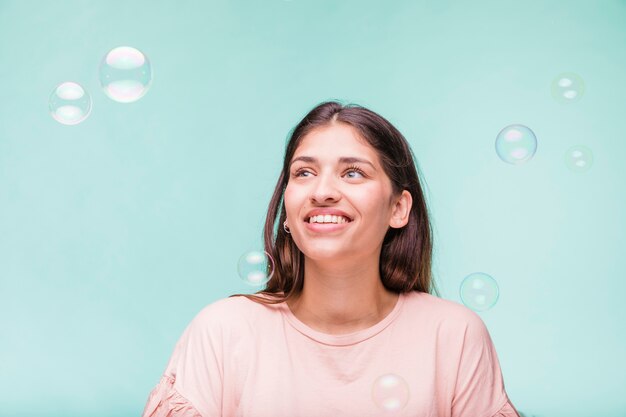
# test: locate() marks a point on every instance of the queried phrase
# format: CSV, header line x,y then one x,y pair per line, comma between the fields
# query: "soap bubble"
x,y
253,267
390,392
579,158
479,291
516,144
568,87
125,74
69,103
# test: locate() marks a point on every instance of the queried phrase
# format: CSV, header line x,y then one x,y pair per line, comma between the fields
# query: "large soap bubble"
x,y
69,103
255,267
390,392
479,291
125,74
516,144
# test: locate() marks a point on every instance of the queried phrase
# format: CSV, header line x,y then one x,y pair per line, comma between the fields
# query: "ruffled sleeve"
x,y
165,401
507,410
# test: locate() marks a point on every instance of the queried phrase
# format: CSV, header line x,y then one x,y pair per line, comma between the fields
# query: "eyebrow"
x,y
343,160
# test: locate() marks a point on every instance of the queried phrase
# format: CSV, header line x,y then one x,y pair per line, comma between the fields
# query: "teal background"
x,y
115,232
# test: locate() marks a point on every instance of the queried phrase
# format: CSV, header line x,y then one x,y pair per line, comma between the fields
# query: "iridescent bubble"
x,y
516,144
254,269
579,158
479,291
390,392
69,103
568,87
125,74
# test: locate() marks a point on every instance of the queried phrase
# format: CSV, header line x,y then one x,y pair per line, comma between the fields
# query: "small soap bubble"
x,y
567,87
479,291
579,158
69,103
254,269
125,74
390,392
516,144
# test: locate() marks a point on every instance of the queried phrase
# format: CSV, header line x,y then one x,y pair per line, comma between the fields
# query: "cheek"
x,y
373,203
288,193
291,198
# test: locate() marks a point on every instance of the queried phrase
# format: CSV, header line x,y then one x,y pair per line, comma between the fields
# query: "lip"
x,y
325,227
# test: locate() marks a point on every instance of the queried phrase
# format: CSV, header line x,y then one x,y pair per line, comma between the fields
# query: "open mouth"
x,y
327,227
327,219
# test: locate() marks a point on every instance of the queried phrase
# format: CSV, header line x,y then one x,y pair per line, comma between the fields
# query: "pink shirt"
x,y
238,358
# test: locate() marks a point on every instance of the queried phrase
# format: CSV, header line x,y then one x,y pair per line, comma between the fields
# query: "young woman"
x,y
347,325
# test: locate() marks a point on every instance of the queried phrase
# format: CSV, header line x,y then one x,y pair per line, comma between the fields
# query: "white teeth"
x,y
328,219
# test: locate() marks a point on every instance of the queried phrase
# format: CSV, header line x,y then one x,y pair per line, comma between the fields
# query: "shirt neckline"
x,y
342,339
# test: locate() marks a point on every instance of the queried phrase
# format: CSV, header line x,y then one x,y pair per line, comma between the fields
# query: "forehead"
x,y
339,139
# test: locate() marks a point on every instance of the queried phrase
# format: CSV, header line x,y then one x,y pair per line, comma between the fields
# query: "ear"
x,y
401,210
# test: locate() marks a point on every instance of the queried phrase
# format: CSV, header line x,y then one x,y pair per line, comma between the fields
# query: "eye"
x,y
356,169
353,168
300,171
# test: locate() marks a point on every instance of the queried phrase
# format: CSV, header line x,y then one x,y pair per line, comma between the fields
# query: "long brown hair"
x,y
406,254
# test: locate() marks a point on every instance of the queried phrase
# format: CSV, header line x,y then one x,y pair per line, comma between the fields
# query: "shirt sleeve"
x,y
479,389
165,401
191,385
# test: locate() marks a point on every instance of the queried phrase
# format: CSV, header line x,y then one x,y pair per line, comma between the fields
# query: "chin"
x,y
325,253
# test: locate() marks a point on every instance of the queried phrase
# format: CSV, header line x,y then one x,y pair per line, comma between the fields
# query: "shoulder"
x,y
232,312
443,312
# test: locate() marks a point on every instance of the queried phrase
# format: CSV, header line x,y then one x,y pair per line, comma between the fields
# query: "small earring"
x,y
285,227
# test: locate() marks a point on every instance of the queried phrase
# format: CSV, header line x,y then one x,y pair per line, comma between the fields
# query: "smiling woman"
x,y
347,324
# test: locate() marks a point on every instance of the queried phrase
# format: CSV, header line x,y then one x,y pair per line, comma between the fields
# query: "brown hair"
x,y
406,254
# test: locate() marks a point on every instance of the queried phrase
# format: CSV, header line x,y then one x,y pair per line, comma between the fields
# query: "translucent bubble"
x,y
69,103
579,158
253,267
516,144
390,392
568,87
479,291
125,74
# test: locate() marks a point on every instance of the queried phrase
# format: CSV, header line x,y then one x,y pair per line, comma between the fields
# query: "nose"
x,y
325,190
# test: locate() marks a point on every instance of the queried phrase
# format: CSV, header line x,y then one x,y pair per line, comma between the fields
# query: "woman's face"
x,y
334,171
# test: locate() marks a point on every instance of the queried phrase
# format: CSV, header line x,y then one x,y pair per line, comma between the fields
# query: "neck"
x,y
342,298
